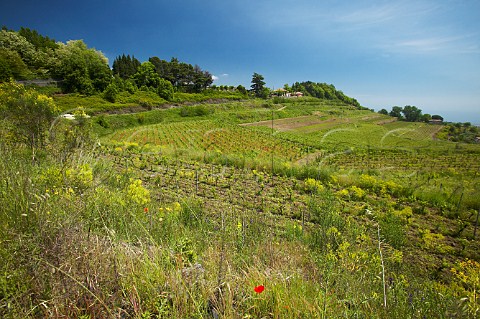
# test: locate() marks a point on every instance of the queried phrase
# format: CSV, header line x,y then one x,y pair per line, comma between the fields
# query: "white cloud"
x,y
431,44
218,77
365,17
425,45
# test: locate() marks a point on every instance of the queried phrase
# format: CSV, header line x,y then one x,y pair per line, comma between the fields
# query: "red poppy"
x,y
259,289
145,209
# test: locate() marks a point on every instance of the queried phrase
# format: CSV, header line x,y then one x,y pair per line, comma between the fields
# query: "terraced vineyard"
x,y
208,135
334,189
299,209
341,139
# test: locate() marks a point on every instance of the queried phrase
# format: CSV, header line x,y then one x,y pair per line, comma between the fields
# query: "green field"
x,y
181,212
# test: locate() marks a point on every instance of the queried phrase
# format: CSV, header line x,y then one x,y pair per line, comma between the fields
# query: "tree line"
x,y
308,88
410,113
183,76
26,54
322,91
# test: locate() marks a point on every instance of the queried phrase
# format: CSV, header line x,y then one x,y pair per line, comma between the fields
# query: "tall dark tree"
x,y
258,85
39,41
163,68
183,76
125,66
201,79
175,72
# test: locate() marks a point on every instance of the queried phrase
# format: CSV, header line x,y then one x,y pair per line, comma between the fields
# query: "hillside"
x,y
145,191
285,208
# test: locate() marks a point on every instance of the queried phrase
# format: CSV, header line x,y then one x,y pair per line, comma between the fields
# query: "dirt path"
x,y
309,158
291,123
434,134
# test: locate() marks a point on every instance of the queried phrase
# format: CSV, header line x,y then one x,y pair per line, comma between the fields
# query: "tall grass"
x,y
85,240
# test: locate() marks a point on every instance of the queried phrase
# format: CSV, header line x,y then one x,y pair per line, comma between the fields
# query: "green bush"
x,y
110,93
198,110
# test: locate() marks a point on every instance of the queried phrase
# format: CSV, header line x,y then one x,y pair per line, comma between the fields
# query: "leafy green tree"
x,y
165,89
242,89
11,40
426,118
383,111
258,86
329,91
174,72
130,86
397,112
146,76
82,69
98,69
12,66
437,117
412,113
36,51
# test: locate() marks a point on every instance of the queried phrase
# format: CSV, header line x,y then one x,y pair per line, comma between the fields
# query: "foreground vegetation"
x,y
287,208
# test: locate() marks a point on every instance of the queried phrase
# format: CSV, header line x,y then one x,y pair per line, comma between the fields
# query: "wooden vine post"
x,y
476,225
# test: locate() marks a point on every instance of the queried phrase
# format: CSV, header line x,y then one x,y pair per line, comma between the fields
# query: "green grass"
x,y
139,101
181,215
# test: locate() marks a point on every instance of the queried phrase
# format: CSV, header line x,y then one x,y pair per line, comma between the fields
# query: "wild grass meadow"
x,y
292,208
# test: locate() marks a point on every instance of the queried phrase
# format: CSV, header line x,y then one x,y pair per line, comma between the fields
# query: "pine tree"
x,y
125,66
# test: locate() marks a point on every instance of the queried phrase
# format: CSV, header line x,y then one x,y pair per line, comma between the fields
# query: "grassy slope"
x,y
395,152
220,223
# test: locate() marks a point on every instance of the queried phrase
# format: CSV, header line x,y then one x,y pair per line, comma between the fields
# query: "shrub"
x,y
468,273
103,122
30,113
110,93
136,193
80,178
313,186
356,192
165,90
198,110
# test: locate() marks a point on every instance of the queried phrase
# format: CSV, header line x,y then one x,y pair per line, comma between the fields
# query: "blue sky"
x,y
383,53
